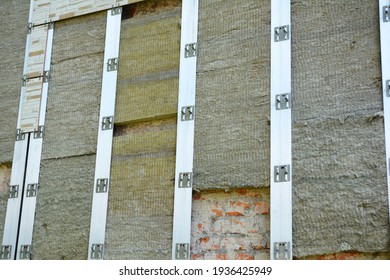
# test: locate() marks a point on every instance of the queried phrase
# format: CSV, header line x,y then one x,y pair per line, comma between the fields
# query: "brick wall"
x,y
230,224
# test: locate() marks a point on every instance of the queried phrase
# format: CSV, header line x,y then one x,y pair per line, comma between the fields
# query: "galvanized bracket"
x,y
282,173
282,33
25,252
30,27
112,64
282,250
46,76
386,13
101,185
6,252
24,80
185,180
187,113
182,251
190,50
107,123
40,132
20,135
32,190
283,101
13,191
97,251
388,88
116,11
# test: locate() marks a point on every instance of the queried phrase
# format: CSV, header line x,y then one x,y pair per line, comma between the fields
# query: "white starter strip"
x,y
384,15
24,250
185,131
8,248
281,168
105,134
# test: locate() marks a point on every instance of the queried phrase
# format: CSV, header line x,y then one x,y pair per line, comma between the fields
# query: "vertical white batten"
x,y
105,134
185,131
31,185
280,163
384,23
11,223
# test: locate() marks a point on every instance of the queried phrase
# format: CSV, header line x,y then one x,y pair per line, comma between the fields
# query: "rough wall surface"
x,y
74,88
64,202
230,225
14,19
339,166
63,211
5,176
140,214
232,98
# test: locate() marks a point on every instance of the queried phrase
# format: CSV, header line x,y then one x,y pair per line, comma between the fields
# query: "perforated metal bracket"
x,y
101,185
182,251
107,123
32,190
116,11
97,251
46,76
40,132
386,13
6,252
13,191
20,135
112,64
282,250
283,101
282,173
388,88
190,50
187,113
185,180
282,33
25,252
30,27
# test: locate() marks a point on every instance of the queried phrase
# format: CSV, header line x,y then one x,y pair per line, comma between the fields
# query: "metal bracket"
x,y
282,173
182,251
112,64
107,123
30,27
39,133
50,24
46,76
282,33
32,190
6,252
101,185
97,251
25,252
20,135
388,88
282,250
386,13
187,113
185,180
13,191
116,11
190,50
283,101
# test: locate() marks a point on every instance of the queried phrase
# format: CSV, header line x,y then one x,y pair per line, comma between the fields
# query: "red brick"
x,y
217,212
262,207
234,214
242,256
196,257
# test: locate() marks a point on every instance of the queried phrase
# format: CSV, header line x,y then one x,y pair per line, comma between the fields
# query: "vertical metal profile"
x,y
185,131
31,183
105,134
280,162
11,223
384,23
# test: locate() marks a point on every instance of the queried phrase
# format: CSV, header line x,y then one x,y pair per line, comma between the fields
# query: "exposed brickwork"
x,y
230,225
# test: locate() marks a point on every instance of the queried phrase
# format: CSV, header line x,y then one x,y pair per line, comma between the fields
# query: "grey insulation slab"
x,y
74,89
339,165
232,97
63,211
14,19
